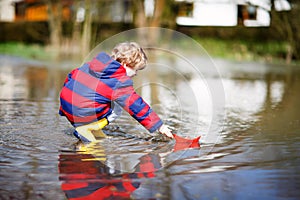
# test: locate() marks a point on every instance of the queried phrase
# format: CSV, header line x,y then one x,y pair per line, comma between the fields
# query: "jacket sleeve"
x,y
134,104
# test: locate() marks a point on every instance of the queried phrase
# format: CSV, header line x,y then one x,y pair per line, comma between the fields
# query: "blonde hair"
x,y
131,54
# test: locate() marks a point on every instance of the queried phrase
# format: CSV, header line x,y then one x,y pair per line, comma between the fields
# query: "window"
x,y
185,9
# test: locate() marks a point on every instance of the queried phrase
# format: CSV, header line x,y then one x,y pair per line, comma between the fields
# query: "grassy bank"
x,y
31,51
264,51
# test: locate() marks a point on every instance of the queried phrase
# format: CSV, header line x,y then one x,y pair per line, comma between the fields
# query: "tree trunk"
x,y
287,25
87,29
290,38
55,23
157,15
76,33
140,21
156,21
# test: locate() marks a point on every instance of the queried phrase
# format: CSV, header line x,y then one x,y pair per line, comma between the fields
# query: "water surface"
x,y
255,157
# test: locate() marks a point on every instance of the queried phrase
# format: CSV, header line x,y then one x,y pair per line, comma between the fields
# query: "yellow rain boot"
x,y
94,149
92,130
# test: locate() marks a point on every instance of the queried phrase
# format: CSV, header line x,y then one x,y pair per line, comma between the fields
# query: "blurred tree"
x,y
162,15
170,13
85,12
88,14
87,29
287,25
55,23
81,24
76,27
140,19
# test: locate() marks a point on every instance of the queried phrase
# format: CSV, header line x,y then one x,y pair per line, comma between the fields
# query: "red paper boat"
x,y
185,143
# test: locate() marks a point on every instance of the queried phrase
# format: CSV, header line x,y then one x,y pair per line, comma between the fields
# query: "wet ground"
x,y
256,154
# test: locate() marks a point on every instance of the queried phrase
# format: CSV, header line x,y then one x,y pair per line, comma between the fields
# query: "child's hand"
x,y
166,131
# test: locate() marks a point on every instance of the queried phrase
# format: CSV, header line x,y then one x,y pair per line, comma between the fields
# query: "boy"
x,y
92,94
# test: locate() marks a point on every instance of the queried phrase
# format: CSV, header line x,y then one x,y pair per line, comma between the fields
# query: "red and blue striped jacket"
x,y
88,93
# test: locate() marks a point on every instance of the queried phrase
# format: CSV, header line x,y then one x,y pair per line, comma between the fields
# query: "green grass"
x,y
32,51
269,51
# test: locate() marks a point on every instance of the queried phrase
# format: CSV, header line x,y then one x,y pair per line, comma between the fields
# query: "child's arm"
x,y
140,110
134,104
117,111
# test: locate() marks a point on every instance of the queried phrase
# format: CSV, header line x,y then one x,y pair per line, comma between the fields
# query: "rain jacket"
x,y
89,91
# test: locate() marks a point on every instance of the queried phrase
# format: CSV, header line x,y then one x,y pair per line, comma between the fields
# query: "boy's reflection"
x,y
88,173
85,175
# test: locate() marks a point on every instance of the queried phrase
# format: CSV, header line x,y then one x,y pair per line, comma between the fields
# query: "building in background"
x,y
29,10
36,10
7,10
250,13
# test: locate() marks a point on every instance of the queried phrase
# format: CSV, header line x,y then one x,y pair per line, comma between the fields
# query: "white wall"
x,y
263,18
7,10
211,14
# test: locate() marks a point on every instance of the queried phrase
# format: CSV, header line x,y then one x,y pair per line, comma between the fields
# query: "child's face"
x,y
131,72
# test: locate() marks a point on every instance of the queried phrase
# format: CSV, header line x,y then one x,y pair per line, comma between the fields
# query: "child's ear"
x,y
124,64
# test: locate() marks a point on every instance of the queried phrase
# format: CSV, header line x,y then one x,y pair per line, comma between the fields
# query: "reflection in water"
x,y
12,86
107,169
30,81
257,155
89,173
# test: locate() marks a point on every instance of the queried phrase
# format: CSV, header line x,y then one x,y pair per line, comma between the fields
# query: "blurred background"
x,y
255,46
266,30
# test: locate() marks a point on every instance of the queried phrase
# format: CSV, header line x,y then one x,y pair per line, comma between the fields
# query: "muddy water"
x,y
256,155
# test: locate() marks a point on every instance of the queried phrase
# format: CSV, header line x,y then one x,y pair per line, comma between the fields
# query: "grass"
x,y
267,51
32,51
